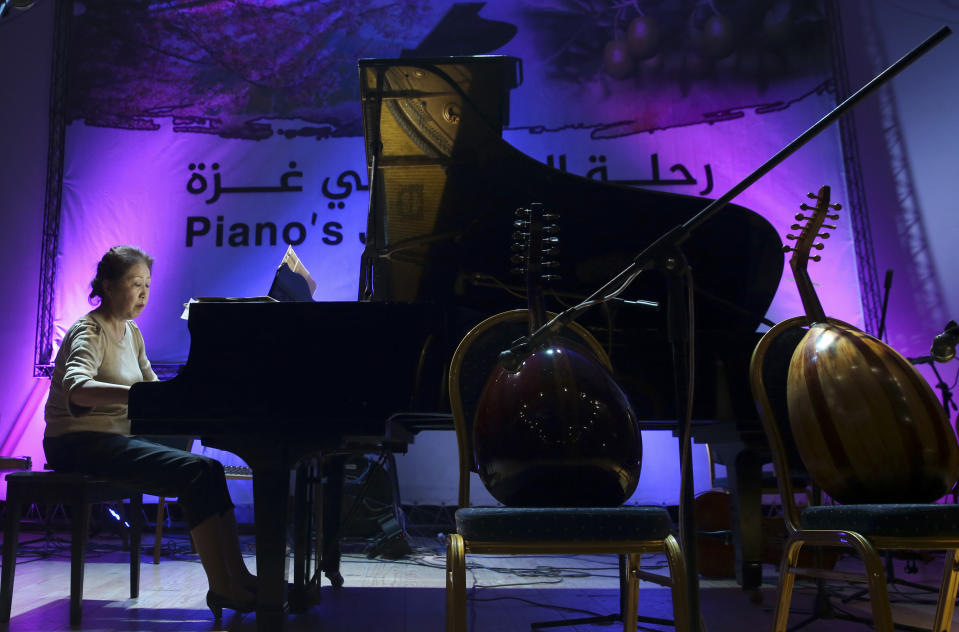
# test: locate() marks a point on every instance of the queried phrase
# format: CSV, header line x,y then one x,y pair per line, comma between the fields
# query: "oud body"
x,y
558,432
867,425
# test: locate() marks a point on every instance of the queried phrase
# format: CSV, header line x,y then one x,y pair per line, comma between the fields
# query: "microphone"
x,y
512,358
944,344
524,347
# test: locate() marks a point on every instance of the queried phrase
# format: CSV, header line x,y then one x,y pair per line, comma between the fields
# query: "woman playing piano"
x,y
87,428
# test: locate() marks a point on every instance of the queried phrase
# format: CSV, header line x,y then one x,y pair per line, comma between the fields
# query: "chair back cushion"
x,y
775,378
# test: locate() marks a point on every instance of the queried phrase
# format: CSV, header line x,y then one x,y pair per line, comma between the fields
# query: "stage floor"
x,y
506,594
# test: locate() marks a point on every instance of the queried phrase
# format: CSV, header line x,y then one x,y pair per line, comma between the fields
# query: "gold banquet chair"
x,y
624,531
864,529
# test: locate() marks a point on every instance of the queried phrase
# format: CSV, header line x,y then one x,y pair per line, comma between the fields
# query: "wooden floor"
x,y
407,595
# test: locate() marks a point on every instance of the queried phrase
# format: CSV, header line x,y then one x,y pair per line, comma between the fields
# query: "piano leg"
x,y
304,592
271,484
744,471
333,480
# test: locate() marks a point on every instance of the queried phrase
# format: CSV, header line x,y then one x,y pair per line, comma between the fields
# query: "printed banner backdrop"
x,y
215,134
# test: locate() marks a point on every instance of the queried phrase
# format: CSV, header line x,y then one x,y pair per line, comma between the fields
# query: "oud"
x,y
556,430
867,425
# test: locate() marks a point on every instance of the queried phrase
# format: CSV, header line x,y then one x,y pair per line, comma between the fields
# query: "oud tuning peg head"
x,y
521,212
815,258
829,226
823,235
788,248
806,207
520,223
799,217
818,246
811,196
791,236
835,206
550,264
516,259
833,217
796,227
550,277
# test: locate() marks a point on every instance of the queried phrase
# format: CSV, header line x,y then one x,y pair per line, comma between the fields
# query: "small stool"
x,y
78,492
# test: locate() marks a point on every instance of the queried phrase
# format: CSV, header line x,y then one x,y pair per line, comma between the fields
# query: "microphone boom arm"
x,y
656,252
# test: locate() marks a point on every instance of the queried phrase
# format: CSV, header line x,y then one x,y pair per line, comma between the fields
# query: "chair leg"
x,y
630,600
158,534
11,540
947,592
78,550
677,573
787,579
136,542
455,584
876,576
874,572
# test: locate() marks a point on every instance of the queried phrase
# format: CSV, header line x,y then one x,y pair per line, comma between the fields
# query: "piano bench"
x,y
77,492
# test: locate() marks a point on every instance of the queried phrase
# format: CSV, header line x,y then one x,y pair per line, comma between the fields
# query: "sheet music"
x,y
293,262
185,315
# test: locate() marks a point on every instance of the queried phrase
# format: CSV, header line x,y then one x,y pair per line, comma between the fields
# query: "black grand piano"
x,y
277,382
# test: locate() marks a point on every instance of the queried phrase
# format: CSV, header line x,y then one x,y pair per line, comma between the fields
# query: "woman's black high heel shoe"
x,y
217,602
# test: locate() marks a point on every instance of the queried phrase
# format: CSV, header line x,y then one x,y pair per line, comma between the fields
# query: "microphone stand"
x,y
371,124
947,402
664,254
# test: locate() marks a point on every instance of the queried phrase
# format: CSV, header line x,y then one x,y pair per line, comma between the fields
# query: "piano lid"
x,y
419,117
420,111
444,186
